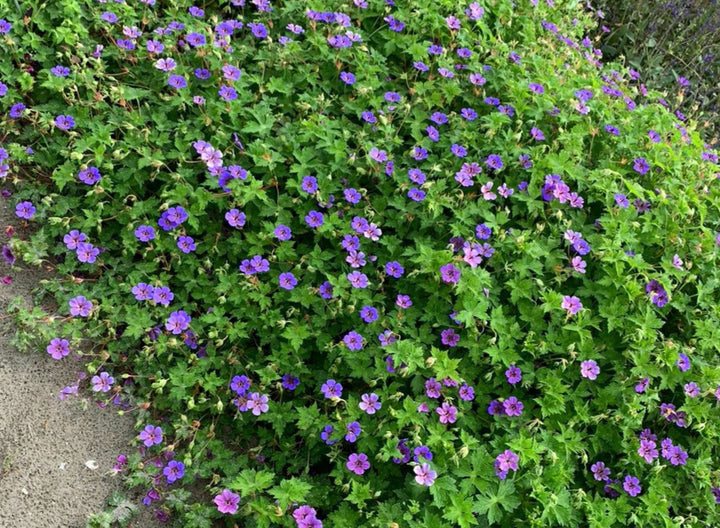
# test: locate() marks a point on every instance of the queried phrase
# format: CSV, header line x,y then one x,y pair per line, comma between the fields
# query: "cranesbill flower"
x,y
257,403
25,210
504,462
403,301
58,348
572,304
578,264
60,71
151,435
450,274
589,369
16,110
370,403
513,375
692,390
632,486
537,134
331,389
449,337
368,314
235,218
433,388
513,406
358,463
87,252
228,93
186,244
314,219
145,233
347,77
447,412
227,502
424,475
174,471
8,255
683,362
64,122
80,306
357,279
641,166
600,472
178,322
177,81
326,433
647,450
102,382
354,341
290,382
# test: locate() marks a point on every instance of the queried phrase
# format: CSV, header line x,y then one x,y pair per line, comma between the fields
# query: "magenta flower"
x,y
58,348
572,304
358,463
466,392
80,306
424,475
589,369
600,472
370,403
102,382
648,450
151,435
227,502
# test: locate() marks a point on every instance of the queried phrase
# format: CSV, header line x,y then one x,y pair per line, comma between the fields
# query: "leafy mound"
x,y
365,264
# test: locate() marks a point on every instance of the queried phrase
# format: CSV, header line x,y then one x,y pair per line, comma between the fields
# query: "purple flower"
x,y
257,403
5,26
58,348
186,244
151,435
331,389
632,486
447,412
424,475
403,301
102,382
449,337
504,462
235,218
513,375
60,71
290,382
600,472
642,386
647,450
572,304
513,406
657,293
227,93
347,77
287,281
166,65
589,369
494,162
394,269
466,392
692,390
227,502
87,252
143,291
80,306
240,384
25,210
450,274
177,81
64,122
358,463
357,279
433,388
8,255
416,194
314,219
353,431
145,233
174,471
378,155
368,314
17,110
641,166
370,403
537,134
258,30
354,341
178,322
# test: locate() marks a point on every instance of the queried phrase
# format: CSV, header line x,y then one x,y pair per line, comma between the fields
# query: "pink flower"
x,y
370,403
447,413
424,475
227,502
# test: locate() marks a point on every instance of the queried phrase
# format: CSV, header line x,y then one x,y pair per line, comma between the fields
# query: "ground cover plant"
x,y
371,263
677,47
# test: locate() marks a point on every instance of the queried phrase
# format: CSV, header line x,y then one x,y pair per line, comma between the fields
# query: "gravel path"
x,y
46,443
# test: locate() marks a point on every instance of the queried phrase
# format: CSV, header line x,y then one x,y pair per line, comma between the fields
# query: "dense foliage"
x,y
676,45
371,264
